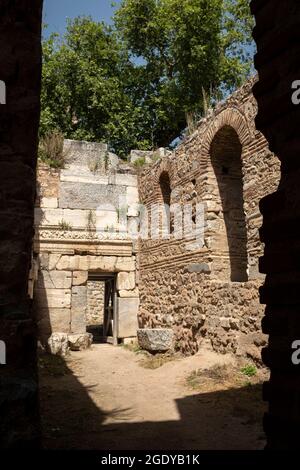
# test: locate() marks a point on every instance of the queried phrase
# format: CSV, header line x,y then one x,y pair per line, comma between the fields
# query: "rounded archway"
x,y
165,188
166,222
230,240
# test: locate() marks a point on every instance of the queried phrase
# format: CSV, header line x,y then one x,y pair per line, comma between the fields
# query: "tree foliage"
x,y
133,85
84,91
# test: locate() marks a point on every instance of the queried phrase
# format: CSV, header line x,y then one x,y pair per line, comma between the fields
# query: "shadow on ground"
x,y
216,420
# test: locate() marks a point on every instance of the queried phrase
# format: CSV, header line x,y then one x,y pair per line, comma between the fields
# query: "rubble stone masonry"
x,y
95,303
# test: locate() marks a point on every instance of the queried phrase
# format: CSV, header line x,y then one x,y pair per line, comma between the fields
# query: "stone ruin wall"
x,y
76,236
207,296
95,303
192,292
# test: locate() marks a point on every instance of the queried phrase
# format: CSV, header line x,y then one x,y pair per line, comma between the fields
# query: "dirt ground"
x,y
105,398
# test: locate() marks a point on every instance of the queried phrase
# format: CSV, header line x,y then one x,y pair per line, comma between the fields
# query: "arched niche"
x,y
230,238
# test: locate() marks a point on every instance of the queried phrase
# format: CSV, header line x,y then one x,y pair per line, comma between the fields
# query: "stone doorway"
x,y
102,307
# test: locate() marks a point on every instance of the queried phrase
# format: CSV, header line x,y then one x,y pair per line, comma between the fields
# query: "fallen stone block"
x,y
155,339
58,344
80,342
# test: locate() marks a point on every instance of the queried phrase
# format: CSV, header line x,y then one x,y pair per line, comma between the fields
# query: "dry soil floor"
x,y
104,398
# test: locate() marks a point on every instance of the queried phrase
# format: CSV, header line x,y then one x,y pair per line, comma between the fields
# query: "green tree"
x,y
238,44
136,84
193,51
86,81
179,42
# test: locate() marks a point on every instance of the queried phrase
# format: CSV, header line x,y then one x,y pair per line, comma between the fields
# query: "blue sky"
x,y
56,12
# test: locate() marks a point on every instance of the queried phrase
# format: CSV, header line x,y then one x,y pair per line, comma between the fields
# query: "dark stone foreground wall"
x,y
277,34
20,69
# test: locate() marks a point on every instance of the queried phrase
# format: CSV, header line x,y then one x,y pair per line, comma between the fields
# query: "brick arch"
x,y
164,167
165,187
231,117
230,239
162,195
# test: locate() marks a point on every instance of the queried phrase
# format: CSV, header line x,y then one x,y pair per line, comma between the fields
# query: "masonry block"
x,y
126,281
78,310
80,278
155,339
49,203
128,317
53,298
54,280
53,320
